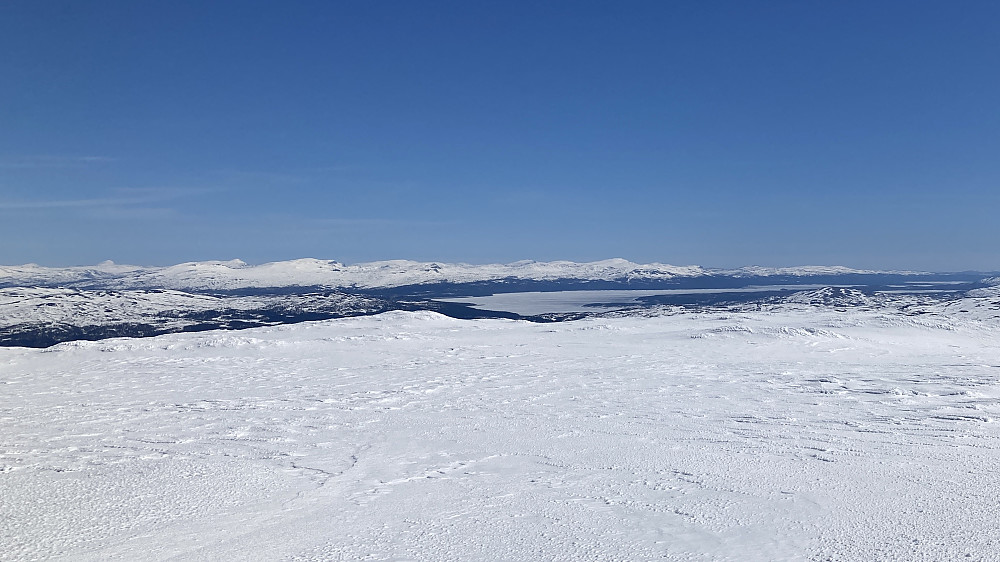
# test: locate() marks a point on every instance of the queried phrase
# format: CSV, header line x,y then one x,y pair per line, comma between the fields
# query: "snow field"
x,y
799,433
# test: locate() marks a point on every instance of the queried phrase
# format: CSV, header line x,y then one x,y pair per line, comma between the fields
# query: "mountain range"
x,y
42,306
236,274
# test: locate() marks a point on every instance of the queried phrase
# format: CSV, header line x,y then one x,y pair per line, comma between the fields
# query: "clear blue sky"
x,y
715,133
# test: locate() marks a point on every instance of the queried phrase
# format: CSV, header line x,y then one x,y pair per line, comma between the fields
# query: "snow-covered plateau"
x,y
794,431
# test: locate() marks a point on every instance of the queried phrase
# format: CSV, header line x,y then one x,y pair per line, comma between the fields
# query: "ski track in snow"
x,y
794,434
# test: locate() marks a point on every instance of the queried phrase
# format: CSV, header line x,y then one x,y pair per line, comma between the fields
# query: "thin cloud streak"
x,y
44,161
72,203
125,197
164,193
375,222
256,176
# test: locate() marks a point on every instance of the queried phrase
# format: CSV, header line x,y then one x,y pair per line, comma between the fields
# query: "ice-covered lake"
x,y
789,434
531,303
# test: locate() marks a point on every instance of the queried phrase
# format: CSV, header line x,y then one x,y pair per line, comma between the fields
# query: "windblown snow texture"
x,y
799,431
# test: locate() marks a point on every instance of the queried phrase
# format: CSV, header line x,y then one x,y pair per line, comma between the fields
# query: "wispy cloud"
x,y
162,193
240,176
47,161
120,202
71,203
132,213
369,222
294,176
329,169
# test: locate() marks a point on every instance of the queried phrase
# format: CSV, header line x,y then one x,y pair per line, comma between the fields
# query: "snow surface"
x,y
236,274
796,432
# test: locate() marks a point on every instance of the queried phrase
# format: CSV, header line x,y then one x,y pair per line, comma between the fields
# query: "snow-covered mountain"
x,y
34,275
804,271
236,274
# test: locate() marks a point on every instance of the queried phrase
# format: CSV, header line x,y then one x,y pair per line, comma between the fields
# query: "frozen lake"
x,y
540,302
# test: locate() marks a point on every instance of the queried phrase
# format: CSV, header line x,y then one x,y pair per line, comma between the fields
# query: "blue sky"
x,y
715,133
